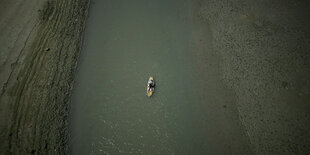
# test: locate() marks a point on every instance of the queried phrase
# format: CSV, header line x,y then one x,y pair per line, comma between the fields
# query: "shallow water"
x,y
125,43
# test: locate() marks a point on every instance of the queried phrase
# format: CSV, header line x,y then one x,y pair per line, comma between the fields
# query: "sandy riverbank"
x,y
40,45
264,51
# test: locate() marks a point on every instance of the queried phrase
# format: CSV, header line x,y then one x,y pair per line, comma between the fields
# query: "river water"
x,y
190,111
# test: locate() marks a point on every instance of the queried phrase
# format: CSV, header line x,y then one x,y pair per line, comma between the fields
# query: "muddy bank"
x,y
264,49
40,45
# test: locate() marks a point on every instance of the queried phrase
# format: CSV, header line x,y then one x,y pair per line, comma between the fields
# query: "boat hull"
x,y
148,90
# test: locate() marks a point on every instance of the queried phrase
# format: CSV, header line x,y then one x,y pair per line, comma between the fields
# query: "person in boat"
x,y
151,85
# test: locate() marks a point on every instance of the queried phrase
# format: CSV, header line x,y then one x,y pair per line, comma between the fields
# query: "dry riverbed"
x,y
40,43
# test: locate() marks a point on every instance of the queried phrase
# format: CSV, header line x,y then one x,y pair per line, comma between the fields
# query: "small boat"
x,y
150,86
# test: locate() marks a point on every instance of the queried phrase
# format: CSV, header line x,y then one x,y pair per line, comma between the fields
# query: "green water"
x,y
125,43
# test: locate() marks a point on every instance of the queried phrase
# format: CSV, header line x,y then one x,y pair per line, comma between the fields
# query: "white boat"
x,y
150,86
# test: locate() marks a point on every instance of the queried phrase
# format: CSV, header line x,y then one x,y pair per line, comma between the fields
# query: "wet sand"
x,y
40,43
264,47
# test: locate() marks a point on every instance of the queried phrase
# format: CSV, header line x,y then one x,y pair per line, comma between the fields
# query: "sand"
x,y
40,44
264,51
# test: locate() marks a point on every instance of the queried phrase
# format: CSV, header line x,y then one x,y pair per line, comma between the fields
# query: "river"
x,y
191,111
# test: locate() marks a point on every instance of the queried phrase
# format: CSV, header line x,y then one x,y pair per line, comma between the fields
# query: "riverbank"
x,y
40,45
264,58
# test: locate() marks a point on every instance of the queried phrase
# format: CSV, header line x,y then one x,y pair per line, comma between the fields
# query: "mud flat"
x,y
264,47
40,43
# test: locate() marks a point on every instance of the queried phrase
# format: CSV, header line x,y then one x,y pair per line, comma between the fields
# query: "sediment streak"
x,y
35,99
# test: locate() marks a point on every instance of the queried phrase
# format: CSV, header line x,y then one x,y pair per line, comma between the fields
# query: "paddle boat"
x,y
150,86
